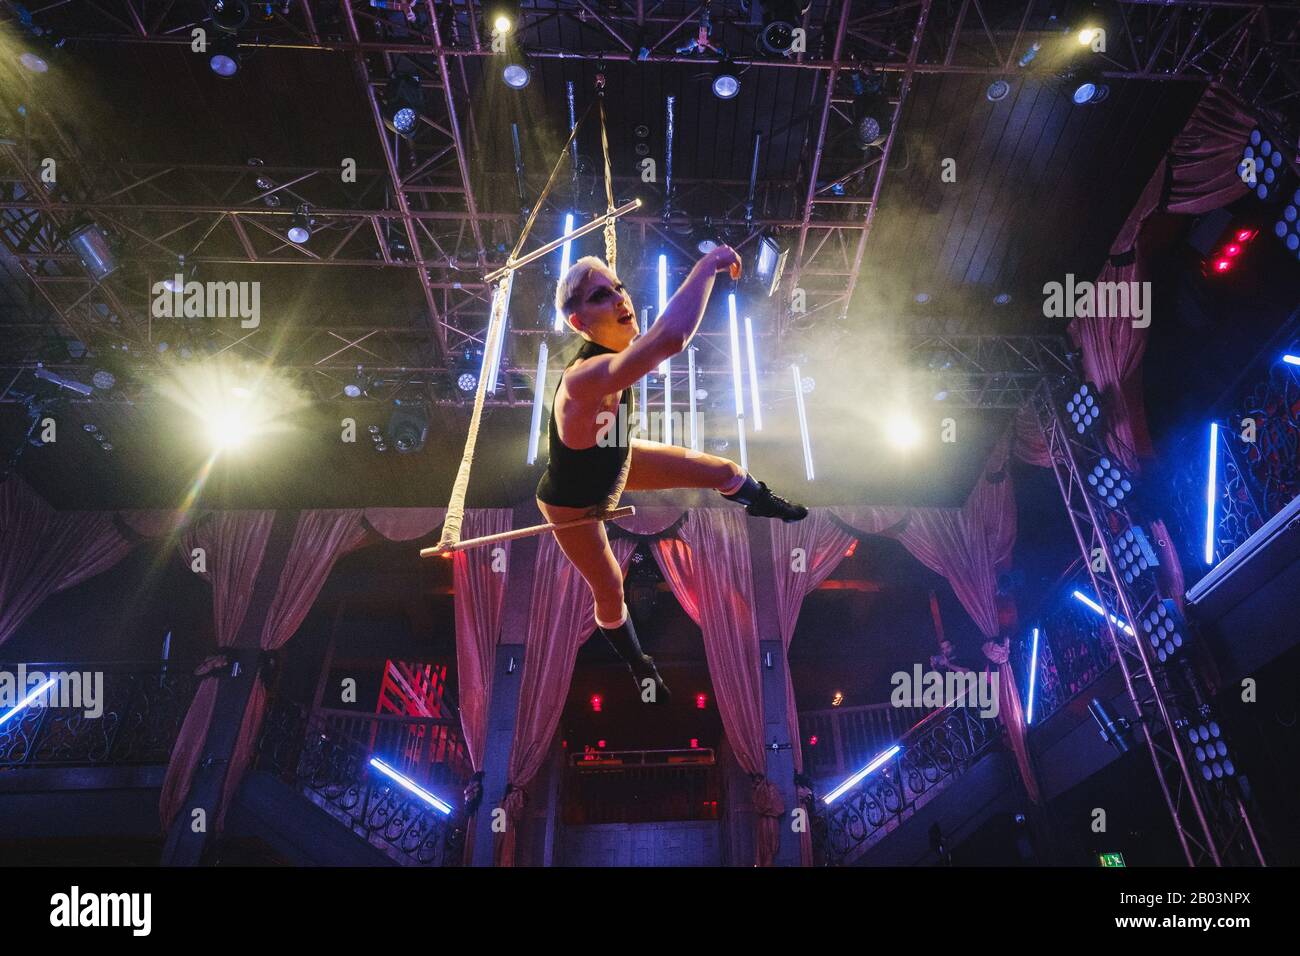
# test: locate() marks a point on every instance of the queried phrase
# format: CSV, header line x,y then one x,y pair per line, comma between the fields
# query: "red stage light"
x,y
1231,249
600,744
1245,235
695,743
701,701
596,702
812,741
1222,265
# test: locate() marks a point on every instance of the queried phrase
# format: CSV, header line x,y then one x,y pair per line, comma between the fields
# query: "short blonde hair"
x,y
566,290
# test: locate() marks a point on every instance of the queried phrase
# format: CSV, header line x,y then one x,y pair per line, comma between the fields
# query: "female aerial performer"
x,y
589,468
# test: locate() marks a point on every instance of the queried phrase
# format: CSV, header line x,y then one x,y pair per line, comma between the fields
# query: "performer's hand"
x,y
725,257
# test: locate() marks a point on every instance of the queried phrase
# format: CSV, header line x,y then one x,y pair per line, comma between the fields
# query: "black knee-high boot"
x,y
628,648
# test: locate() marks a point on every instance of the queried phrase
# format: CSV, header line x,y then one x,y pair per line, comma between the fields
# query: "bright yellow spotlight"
x,y
502,23
228,428
1086,36
902,431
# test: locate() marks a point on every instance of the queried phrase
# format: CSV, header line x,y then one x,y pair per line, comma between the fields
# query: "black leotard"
x,y
582,477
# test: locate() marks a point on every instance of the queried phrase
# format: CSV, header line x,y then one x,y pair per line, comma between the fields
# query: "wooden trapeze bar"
x,y
440,550
554,244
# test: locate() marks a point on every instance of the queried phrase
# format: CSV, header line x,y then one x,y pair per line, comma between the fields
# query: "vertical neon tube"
x,y
565,257
645,404
1033,675
803,422
753,375
539,389
663,300
737,382
690,384
1211,492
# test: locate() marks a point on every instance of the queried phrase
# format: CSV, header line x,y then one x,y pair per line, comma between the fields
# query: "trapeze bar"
x,y
554,244
439,550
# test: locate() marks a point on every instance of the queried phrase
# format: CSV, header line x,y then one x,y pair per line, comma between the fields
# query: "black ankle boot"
x,y
760,502
628,648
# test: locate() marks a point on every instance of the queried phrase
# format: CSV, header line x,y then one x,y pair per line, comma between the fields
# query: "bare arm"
x,y
670,333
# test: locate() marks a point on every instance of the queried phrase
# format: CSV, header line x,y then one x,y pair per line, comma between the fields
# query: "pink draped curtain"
x,y
235,543
709,569
43,551
562,615
1199,174
480,586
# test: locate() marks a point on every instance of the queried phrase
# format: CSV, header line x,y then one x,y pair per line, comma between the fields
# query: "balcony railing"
x,y
642,786
326,755
931,755
838,741
142,706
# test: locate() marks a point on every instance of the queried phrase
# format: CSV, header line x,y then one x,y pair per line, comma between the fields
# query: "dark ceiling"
x,y
1041,187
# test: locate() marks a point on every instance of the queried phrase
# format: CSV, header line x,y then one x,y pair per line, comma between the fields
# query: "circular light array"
x,y
1268,163
1287,228
1109,482
467,381
1161,627
1211,751
1129,556
1083,409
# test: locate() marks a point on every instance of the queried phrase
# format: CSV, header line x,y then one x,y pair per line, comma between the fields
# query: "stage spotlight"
x,y
91,245
408,426
516,75
780,19
300,228
1088,34
1002,298
1210,749
1081,408
223,56
1133,554
998,90
467,382
228,427
503,15
922,298
403,104
1287,227
726,83
902,431
358,385
1109,482
1262,163
1164,628
1086,85
228,15
103,380
872,111
1113,730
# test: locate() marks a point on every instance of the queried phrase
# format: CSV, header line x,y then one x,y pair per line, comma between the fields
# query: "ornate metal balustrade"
x,y
142,707
1074,650
931,755
333,770
839,740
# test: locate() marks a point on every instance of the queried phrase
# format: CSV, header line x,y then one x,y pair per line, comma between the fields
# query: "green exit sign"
x,y
1113,859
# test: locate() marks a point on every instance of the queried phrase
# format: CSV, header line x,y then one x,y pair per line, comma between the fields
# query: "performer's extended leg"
x,y
656,466
587,546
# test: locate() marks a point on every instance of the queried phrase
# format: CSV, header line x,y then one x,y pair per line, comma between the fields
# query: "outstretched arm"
x,y
670,333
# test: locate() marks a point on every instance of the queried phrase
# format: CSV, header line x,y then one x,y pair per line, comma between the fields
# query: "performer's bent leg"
x,y
657,466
